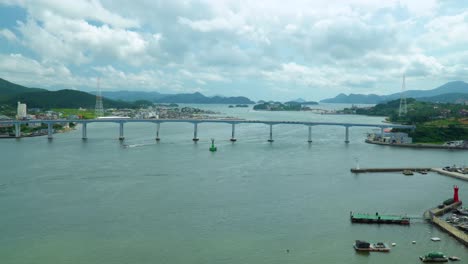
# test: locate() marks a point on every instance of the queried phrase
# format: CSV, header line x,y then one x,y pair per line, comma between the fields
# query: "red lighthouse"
x,y
455,194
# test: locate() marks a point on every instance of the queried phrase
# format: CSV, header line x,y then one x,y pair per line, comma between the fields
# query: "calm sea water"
x,y
102,201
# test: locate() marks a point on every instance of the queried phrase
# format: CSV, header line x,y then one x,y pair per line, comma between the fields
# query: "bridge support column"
x,y
121,134
310,135
233,137
382,133
195,132
347,135
84,135
50,131
158,125
271,134
17,130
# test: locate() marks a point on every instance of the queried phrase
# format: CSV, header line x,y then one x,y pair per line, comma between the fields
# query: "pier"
x,y
233,122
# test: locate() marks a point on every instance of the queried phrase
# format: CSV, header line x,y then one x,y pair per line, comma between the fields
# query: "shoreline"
x,y
416,145
64,130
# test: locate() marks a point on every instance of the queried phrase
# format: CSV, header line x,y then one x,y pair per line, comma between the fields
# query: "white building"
x,y
21,112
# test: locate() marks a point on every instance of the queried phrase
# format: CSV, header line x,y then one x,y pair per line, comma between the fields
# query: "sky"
x,y
262,49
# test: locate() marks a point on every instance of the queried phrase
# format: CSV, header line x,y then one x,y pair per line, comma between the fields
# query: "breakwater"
x,y
364,170
457,175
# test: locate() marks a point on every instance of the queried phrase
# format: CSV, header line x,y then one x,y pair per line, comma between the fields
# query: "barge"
x,y
360,245
379,219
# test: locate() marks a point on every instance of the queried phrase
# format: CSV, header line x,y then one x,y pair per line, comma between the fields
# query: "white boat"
x,y
435,239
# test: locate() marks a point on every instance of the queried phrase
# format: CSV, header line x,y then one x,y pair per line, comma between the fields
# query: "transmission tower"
x,y
99,111
403,108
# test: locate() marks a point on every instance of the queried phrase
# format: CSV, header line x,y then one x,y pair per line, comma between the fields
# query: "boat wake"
x,y
137,145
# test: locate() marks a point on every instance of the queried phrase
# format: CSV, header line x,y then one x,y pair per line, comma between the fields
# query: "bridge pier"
x,y
121,134
347,135
382,133
310,134
84,135
50,130
17,130
271,134
195,132
158,125
233,138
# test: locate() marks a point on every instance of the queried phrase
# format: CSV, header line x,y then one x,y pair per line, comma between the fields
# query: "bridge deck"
x,y
196,121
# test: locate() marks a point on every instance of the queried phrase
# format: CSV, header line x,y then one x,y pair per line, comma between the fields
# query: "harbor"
x,y
449,206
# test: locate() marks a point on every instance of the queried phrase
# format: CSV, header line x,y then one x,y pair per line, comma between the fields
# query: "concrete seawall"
x,y
451,174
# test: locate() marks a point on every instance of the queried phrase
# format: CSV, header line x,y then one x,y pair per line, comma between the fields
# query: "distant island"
x,y
184,98
238,105
451,92
277,106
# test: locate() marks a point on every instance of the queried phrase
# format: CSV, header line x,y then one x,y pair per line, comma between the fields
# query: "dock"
x,y
379,219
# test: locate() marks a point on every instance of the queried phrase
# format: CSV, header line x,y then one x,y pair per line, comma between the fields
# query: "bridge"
x,y
195,122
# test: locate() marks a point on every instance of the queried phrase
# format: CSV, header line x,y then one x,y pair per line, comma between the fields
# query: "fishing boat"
x,y
360,245
407,172
434,257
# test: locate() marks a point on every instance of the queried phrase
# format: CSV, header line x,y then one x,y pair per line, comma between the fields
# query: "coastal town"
x,y
158,111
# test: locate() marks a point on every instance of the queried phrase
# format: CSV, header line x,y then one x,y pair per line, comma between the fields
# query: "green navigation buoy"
x,y
213,148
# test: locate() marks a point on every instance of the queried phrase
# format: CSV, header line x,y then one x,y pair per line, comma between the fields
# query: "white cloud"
x,y
7,34
250,47
78,42
76,9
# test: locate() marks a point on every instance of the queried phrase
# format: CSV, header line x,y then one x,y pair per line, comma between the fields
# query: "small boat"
x,y
360,245
407,172
454,258
435,239
434,257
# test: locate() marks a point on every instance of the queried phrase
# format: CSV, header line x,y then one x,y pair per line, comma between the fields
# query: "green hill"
x,y
11,93
9,90
65,99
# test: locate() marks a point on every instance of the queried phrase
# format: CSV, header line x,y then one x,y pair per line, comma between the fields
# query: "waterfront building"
x,y
391,138
21,111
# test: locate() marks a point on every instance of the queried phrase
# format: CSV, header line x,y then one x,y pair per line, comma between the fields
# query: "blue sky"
x,y
264,49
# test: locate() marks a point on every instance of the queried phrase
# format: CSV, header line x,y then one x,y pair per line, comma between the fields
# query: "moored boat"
x,y
434,257
407,172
